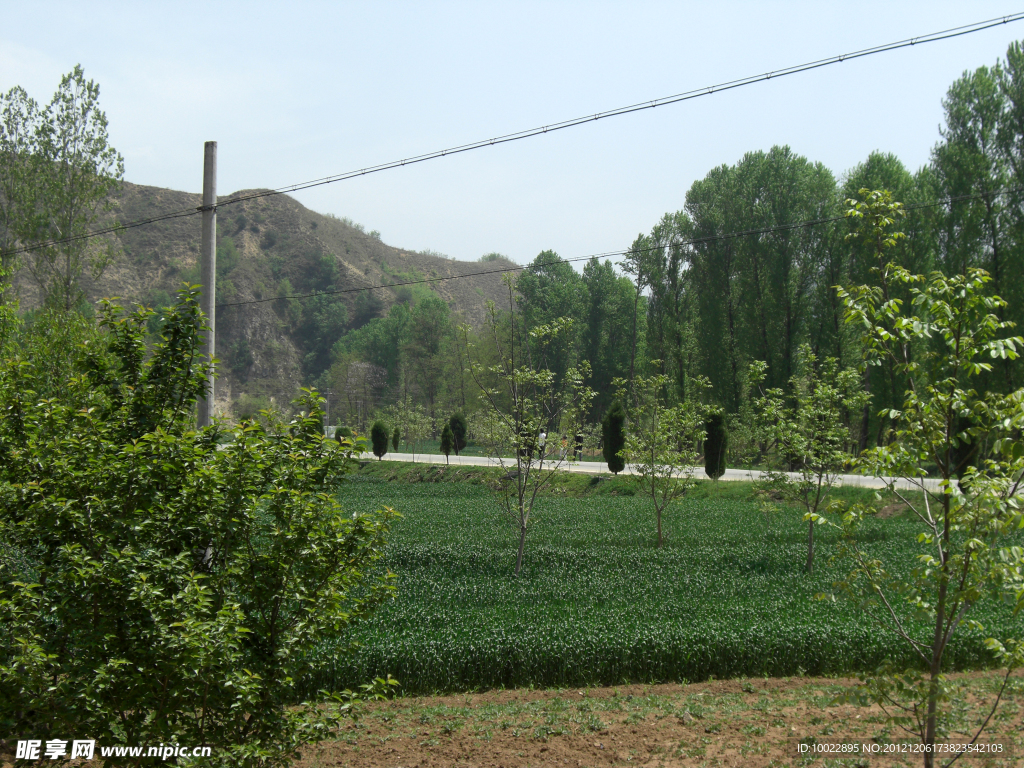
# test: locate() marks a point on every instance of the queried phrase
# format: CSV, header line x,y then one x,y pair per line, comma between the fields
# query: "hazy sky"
x,y
296,91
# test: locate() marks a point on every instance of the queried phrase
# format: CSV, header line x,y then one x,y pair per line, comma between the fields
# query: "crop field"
x,y
597,604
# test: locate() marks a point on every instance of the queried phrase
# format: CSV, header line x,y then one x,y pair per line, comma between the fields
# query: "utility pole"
x,y
327,412
208,272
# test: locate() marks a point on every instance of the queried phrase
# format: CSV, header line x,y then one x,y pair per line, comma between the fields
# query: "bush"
x,y
447,441
379,439
715,445
459,429
613,436
396,438
152,587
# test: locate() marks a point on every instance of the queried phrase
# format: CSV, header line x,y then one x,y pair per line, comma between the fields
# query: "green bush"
x,y
396,438
613,436
459,429
155,588
379,439
715,446
447,441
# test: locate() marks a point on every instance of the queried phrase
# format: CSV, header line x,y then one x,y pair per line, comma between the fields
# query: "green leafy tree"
x,y
133,549
811,434
527,410
613,436
716,445
19,123
74,172
447,442
379,439
457,422
396,437
606,327
942,341
662,441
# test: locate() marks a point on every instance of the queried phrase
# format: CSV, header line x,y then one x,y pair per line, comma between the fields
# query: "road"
x,y
599,467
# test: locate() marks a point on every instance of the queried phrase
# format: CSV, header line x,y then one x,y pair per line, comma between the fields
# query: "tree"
x,y
379,439
396,436
430,326
19,123
457,422
942,342
641,262
613,436
447,442
715,445
73,174
661,444
606,327
525,403
132,547
811,433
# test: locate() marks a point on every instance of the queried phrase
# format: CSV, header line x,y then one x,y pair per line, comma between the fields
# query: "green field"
x,y
598,604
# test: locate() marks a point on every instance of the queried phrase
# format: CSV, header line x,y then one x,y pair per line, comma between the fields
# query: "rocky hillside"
x,y
271,247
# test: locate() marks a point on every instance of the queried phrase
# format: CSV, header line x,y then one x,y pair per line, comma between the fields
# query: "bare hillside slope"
x,y
269,247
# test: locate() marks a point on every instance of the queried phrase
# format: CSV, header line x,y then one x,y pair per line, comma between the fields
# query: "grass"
x,y
597,604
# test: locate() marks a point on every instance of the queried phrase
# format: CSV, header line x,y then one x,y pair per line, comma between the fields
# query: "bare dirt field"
x,y
754,722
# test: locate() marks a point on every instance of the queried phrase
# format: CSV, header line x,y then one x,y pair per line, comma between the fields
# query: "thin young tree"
x,y
526,409
662,441
942,342
810,431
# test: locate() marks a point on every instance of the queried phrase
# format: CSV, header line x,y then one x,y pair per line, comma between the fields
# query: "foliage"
x,y
379,439
662,441
810,433
159,584
447,441
414,421
526,410
613,436
59,166
597,604
716,445
396,437
943,342
459,427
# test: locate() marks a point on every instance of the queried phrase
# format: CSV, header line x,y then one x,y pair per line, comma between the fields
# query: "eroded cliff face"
x,y
268,248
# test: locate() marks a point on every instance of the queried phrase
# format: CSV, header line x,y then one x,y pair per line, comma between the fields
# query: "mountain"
x,y
269,247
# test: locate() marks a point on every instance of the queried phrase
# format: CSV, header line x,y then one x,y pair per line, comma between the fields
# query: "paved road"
x,y
599,467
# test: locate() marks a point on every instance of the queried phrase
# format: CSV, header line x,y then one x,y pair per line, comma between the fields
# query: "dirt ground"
x,y
755,722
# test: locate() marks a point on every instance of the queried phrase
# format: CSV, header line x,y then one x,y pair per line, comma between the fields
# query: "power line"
x,y
696,93
609,254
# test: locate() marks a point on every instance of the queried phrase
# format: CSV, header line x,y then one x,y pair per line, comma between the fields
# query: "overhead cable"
x,y
696,93
628,251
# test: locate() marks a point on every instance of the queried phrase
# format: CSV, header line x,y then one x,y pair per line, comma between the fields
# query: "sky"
x,y
301,90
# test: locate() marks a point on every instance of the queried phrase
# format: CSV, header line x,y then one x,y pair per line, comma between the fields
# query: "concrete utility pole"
x,y
208,271
327,412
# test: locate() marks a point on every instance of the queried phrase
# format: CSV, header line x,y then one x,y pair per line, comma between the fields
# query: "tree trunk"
x,y
810,546
659,529
937,644
632,354
522,545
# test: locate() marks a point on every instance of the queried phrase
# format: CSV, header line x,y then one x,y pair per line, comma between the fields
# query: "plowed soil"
x,y
756,722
